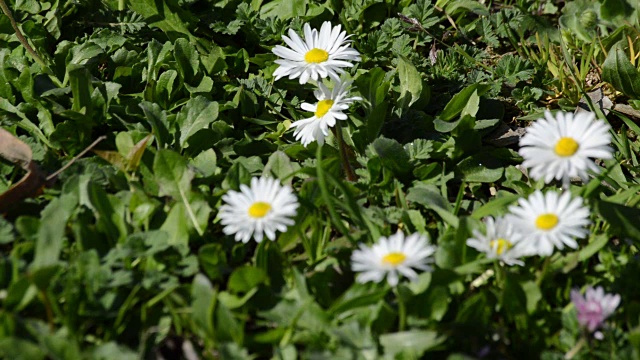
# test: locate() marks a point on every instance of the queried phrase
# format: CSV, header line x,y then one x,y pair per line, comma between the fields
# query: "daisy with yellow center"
x,y
548,221
500,241
563,146
319,55
393,257
328,109
259,210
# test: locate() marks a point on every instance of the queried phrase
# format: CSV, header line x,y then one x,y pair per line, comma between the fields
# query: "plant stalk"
x,y
351,176
402,310
21,38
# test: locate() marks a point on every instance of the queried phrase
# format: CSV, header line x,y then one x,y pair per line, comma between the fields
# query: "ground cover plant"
x,y
363,179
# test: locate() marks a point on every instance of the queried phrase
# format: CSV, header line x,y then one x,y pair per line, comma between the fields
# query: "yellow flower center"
x,y
316,55
566,146
394,258
259,209
501,245
546,221
323,107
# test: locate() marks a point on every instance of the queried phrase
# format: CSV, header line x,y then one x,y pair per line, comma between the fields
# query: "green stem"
x,y
402,311
121,5
21,37
571,353
351,176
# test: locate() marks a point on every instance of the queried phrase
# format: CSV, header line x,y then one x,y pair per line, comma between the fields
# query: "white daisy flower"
x,y
500,241
330,106
321,54
393,255
549,220
561,147
258,210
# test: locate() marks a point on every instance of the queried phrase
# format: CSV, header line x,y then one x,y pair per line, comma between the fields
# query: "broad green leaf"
x,y
157,119
174,179
172,174
246,278
280,166
213,260
167,15
21,349
410,344
284,9
80,81
619,72
410,82
622,219
461,100
197,114
428,196
495,206
392,155
51,234
480,168
187,59
203,305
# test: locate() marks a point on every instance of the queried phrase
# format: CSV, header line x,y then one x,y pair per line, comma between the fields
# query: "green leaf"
x,y
410,344
428,196
19,349
461,100
480,168
619,72
622,219
157,119
80,81
53,223
410,82
280,166
187,59
392,155
495,206
197,114
174,179
203,305
246,278
167,15
283,9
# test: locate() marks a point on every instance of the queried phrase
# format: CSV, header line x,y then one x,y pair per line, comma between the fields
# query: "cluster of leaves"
x,y
123,255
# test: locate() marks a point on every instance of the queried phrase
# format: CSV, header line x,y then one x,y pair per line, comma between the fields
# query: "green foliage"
x,y
123,255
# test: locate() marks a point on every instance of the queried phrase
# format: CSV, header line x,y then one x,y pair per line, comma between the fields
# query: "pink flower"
x,y
595,307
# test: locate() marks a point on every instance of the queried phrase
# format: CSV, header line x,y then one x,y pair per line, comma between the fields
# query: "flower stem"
x,y
571,353
351,176
402,310
21,38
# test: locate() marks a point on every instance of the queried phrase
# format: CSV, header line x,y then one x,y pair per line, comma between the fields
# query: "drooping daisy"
x,y
258,210
548,221
393,256
594,307
500,241
563,146
330,106
319,55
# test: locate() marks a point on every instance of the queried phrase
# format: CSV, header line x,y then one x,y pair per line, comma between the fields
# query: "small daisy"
x,y
563,146
393,255
549,220
321,54
261,209
594,307
501,241
329,107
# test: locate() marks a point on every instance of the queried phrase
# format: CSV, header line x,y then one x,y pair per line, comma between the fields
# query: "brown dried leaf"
x,y
14,150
